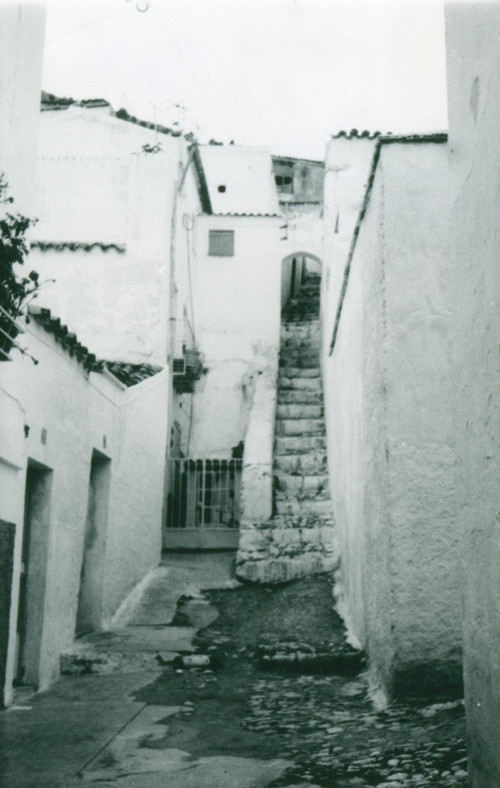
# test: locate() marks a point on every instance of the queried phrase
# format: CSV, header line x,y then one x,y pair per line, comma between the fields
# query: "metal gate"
x,y
203,503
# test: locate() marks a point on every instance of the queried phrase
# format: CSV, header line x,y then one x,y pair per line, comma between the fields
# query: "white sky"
x,y
282,73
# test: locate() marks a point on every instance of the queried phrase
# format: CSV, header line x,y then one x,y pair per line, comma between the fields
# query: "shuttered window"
x,y
221,243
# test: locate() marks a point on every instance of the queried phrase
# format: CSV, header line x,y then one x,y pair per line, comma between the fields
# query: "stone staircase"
x,y
299,540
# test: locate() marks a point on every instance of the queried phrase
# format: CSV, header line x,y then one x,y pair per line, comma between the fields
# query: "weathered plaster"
x,y
237,327
347,169
473,60
117,302
388,385
22,26
69,415
257,478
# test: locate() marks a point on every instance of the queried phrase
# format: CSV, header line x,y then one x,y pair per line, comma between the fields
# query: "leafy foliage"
x,y
15,290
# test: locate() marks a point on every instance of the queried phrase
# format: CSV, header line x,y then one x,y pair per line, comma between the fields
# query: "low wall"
x,y
257,477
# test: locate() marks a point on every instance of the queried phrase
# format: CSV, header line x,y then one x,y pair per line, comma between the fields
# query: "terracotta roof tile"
x,y
129,374
355,134
51,103
125,373
75,246
63,336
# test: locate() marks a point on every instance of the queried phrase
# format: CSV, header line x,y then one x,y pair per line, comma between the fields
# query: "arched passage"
x,y
294,268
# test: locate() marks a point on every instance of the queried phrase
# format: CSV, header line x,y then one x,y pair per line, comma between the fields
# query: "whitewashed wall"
x,y
347,168
388,388
473,59
22,27
79,414
117,299
302,231
237,318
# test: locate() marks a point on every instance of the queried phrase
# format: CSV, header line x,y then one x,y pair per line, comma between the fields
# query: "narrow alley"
x,y
249,401
207,682
226,686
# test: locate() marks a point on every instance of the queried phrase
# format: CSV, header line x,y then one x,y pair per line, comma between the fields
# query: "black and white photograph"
x,y
250,393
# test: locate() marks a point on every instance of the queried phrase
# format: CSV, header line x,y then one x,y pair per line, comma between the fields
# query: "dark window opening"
x,y
221,243
284,183
221,188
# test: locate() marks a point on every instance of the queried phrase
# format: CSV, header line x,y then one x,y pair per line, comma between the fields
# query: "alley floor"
x,y
206,683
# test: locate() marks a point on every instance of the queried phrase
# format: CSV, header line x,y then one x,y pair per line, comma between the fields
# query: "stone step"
x,y
300,396
301,360
304,301
311,327
313,324
297,351
300,372
300,487
299,383
310,296
295,444
306,292
298,464
302,344
300,427
306,508
311,520
302,305
127,650
296,324
300,340
300,411
303,347
301,314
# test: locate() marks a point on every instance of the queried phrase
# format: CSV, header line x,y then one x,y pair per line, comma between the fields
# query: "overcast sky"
x,y
281,73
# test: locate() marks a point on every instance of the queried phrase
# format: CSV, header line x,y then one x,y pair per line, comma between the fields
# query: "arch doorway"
x,y
294,269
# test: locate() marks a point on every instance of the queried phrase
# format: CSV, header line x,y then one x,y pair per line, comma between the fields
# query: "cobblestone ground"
x,y
250,701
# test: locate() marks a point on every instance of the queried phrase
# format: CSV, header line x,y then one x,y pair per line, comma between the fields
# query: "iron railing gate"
x,y
203,502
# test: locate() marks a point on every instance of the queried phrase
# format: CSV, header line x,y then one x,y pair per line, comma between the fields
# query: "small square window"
x,y
221,243
221,188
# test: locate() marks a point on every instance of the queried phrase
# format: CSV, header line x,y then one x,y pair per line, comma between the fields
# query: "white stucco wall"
x,y
388,386
302,230
237,324
117,300
89,132
79,414
473,60
347,168
22,27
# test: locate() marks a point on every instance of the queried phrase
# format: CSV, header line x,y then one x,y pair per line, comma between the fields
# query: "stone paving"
x,y
247,717
323,724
